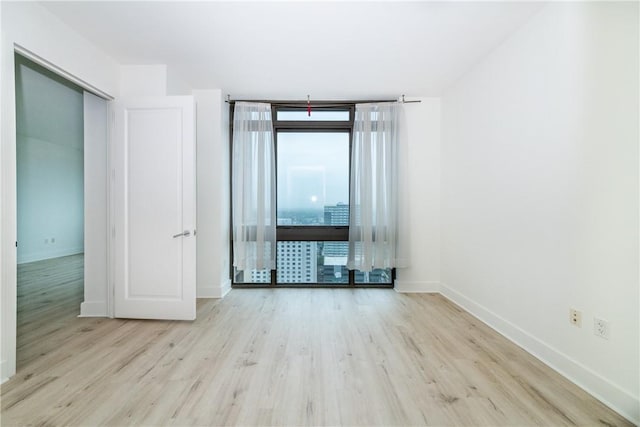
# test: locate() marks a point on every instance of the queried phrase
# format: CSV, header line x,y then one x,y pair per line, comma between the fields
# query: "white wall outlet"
x,y
53,240
601,328
575,317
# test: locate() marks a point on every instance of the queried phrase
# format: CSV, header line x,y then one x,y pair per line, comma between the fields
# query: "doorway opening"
x,y
50,206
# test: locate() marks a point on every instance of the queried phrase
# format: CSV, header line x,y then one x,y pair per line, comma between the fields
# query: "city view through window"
x,y
316,262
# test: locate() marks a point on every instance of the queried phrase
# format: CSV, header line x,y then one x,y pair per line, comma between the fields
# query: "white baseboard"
x,y
93,309
208,292
214,291
226,288
428,287
602,389
39,256
4,375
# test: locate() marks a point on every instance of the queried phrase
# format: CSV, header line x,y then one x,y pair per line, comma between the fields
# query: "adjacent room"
x,y
50,211
320,213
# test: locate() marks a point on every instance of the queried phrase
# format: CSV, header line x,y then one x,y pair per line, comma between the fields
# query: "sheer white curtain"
x,y
253,187
373,227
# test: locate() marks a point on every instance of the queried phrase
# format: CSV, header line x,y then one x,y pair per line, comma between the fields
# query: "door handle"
x,y
185,233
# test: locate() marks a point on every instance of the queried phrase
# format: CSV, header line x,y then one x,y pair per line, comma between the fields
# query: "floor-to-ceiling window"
x,y
313,186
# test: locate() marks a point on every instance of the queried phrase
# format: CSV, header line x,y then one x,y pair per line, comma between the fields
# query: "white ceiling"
x,y
286,50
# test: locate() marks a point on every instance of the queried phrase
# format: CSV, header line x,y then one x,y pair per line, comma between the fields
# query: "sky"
x,y
313,169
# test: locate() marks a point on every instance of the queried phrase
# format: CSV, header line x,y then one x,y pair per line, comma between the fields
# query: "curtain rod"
x,y
319,103
409,102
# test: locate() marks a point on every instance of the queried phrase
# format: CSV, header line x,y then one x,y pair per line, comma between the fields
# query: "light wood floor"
x,y
288,357
49,297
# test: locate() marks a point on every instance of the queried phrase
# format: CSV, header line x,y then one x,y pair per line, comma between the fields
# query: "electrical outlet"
x,y
601,328
53,240
575,317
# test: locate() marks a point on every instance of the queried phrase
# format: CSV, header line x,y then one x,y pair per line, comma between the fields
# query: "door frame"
x,y
8,211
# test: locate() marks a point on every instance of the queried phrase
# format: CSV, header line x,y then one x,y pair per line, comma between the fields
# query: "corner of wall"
x,y
426,287
93,309
419,200
508,253
226,288
596,385
213,194
214,291
4,375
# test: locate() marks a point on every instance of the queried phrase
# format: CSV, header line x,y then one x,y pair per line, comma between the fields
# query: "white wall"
x,y
540,193
32,27
420,196
50,200
213,194
176,85
96,206
49,165
151,80
143,80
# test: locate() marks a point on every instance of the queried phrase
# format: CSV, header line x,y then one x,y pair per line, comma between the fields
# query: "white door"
x,y
154,211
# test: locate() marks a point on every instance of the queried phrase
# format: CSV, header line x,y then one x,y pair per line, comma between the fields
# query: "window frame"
x,y
315,232
302,233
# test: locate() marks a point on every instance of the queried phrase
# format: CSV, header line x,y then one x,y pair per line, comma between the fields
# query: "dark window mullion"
x,y
314,233
313,126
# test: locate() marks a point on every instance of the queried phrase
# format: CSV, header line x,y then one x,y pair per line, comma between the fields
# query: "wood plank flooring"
x,y
289,357
49,297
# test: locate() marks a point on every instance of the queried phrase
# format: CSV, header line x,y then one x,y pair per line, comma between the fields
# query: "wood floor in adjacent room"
x,y
285,357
